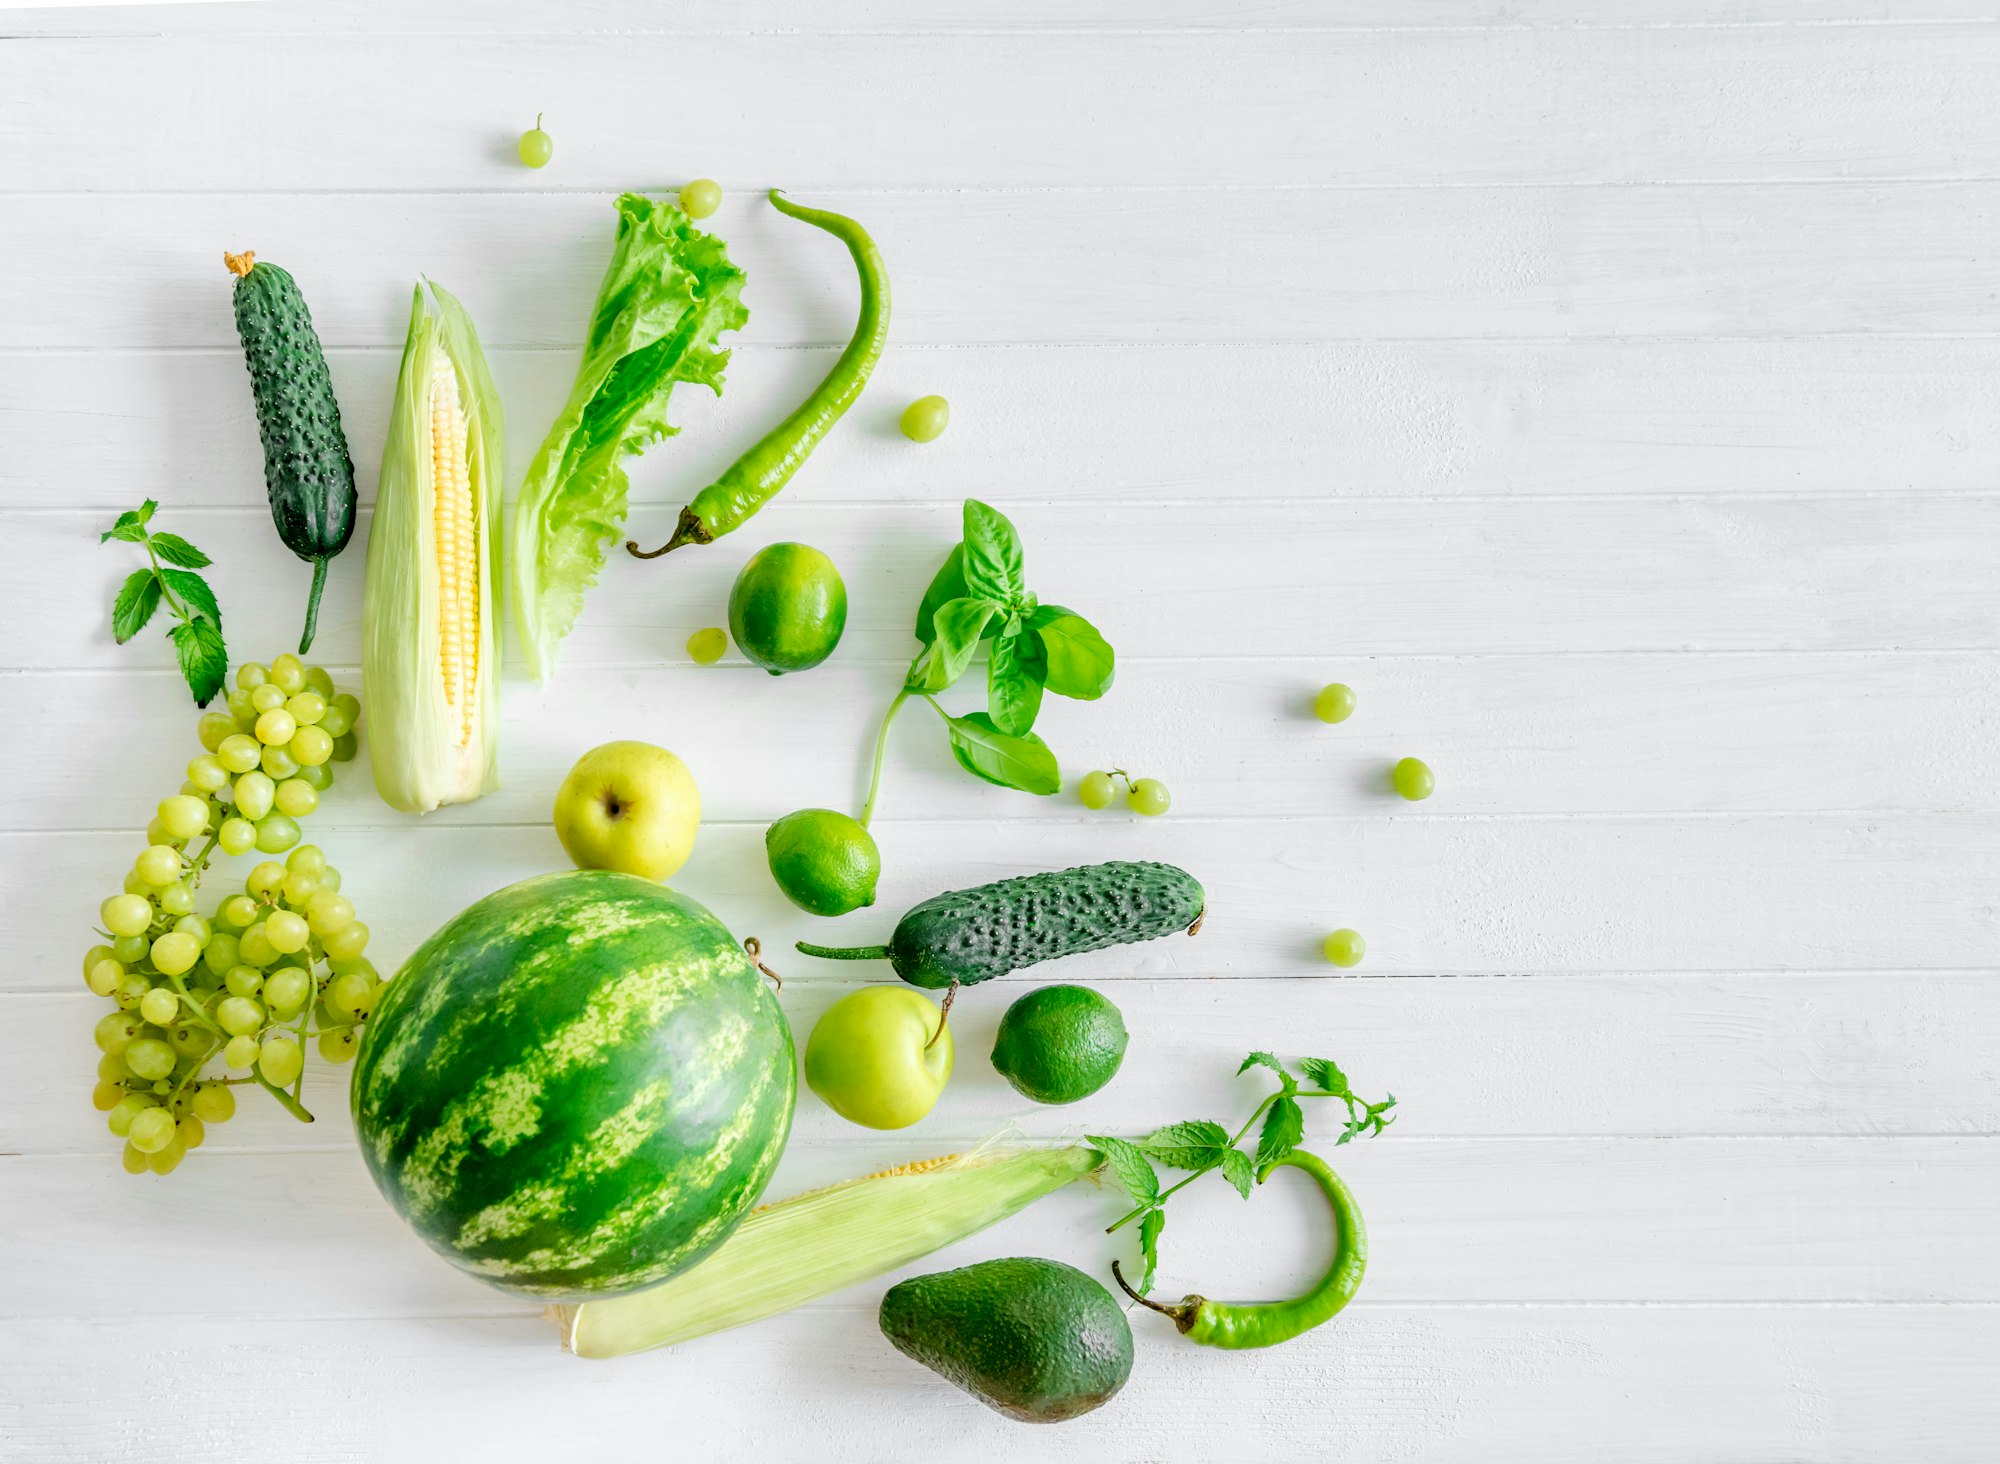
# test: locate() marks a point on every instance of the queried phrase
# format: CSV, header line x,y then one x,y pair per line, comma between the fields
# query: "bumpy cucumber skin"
x,y
307,470
969,936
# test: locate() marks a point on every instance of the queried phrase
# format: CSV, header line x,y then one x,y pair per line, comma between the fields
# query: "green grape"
x,y
1345,947
130,948
347,702
132,989
307,859
241,713
280,1060
195,926
1149,797
126,914
111,1068
347,943
221,953
207,774
238,912
351,995
310,747
706,647
240,1052
295,797
244,981
339,1044
254,794
276,832
167,1160
925,419
338,721
307,707
1335,703
95,954
1096,790
151,1130
1412,778
275,727
104,977
133,1160
288,674
701,198
190,1040
212,728
318,679
238,1015
319,775
286,990
135,885
300,888
287,931
213,1103
159,1006
278,763
327,912
345,746
119,1120
236,836
535,147
266,698
266,879
239,753
149,1058
329,880
189,790
251,675
159,864
255,948
176,900
107,1096
191,1132
183,816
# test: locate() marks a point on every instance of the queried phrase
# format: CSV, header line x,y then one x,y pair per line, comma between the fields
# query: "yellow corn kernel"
x,y
457,563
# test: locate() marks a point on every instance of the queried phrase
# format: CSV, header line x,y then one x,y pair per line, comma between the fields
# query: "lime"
x,y
1059,1044
788,608
824,861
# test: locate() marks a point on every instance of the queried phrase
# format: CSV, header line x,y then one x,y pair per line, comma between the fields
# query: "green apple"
x,y
872,1057
629,806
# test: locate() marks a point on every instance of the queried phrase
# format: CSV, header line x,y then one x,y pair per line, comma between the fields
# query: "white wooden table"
x,y
1606,389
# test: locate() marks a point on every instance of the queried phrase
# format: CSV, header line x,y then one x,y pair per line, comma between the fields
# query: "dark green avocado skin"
x,y
1036,1340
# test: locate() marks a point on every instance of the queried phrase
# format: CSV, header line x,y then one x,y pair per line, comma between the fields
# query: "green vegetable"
x,y
755,478
170,576
307,471
964,937
1412,778
1033,1339
979,596
669,293
1201,1146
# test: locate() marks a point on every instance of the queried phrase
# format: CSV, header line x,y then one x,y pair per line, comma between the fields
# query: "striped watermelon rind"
x,y
577,1087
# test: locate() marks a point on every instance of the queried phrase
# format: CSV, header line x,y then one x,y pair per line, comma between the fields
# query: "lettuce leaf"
x,y
669,294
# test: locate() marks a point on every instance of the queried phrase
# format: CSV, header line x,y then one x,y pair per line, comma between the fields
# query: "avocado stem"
x,y
844,953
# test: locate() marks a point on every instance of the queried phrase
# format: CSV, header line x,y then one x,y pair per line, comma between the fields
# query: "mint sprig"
x,y
169,578
1201,1146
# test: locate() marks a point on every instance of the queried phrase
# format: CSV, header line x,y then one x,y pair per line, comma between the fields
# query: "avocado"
x,y
1034,1339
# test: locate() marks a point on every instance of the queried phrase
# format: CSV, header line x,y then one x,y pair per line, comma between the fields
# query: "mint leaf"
x,y
1260,1059
1284,1128
137,599
1195,1145
176,550
947,584
204,660
1150,1225
992,553
130,526
1374,1117
1324,1074
957,627
985,751
1081,662
1236,1169
1131,1167
195,594
1014,672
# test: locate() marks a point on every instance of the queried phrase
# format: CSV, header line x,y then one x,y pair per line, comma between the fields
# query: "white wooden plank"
x,y
1434,896
1669,1056
1880,732
1052,267
1391,106
1370,577
1313,422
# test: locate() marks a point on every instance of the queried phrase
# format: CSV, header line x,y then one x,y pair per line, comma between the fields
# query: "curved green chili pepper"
x,y
755,477
1226,1324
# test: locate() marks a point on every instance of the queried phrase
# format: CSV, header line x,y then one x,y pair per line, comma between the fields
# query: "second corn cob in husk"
x,y
429,649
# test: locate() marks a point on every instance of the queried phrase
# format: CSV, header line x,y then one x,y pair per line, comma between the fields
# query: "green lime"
x,y
1059,1044
788,608
824,861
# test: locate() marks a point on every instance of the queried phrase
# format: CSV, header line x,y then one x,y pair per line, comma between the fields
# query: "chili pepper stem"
x,y
1183,1314
690,530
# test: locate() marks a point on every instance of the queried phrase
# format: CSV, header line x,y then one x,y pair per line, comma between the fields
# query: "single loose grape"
x,y
339,1044
536,147
1335,703
238,912
925,419
310,747
286,930
306,708
149,1058
278,763
236,836
295,797
159,1006
706,647
280,1060
245,981
1149,797
126,914
104,977
176,899
275,727
239,1052
212,728
266,879
213,1103
160,864
286,990
251,675
276,832
1412,778
238,1015
1096,790
288,674
1345,947
327,912
346,943
208,774
701,198
267,698
183,816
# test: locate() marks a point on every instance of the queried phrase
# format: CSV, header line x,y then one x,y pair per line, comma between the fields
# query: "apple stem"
x,y
753,948
944,1015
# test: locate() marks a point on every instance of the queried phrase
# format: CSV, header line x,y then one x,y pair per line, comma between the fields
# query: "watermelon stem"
x,y
845,953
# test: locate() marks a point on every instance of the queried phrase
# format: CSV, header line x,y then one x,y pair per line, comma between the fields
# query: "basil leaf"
x,y
137,599
1196,1145
203,659
1237,1170
986,752
1081,662
195,594
1150,1225
176,550
1284,1128
1131,1167
992,554
947,584
1014,672
958,625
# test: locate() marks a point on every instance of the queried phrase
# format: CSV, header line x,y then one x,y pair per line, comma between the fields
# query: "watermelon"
x,y
576,1088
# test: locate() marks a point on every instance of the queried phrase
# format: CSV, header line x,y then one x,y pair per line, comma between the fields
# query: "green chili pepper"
x,y
1225,1324
756,477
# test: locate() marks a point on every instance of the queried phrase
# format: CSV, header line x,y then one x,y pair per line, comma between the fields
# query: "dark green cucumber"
x,y
307,470
963,937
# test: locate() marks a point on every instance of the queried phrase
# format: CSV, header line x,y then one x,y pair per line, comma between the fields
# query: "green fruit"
x,y
1335,703
1149,797
575,1088
925,419
880,1057
1033,1339
1096,790
824,861
1060,1044
1413,779
788,608
1345,947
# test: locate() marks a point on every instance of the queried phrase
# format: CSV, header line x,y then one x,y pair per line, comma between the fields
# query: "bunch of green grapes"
x,y
267,969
